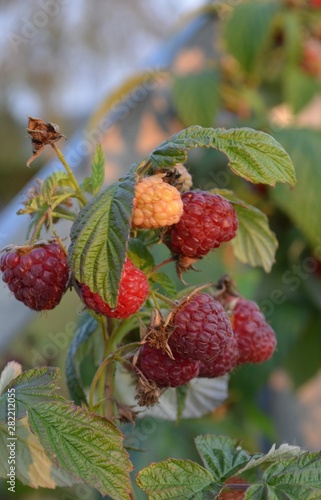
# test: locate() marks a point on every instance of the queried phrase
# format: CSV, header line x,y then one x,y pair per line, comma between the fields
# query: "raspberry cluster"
x,y
37,275
206,342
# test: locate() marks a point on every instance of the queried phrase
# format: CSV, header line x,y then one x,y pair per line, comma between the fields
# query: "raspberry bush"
x,y
160,347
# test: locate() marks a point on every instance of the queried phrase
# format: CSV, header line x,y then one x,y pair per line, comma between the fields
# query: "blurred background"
x,y
129,75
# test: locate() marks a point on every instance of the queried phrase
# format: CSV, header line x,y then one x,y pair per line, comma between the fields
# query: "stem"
x,y
167,261
153,296
110,390
81,197
37,229
110,345
165,299
113,339
63,216
48,214
104,328
95,380
143,167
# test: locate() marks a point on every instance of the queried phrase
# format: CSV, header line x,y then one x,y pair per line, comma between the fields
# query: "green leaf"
x,y
275,454
140,255
10,371
255,243
99,239
83,332
299,88
303,204
166,283
32,465
54,180
87,446
178,479
247,31
94,183
196,97
252,154
31,388
221,455
299,477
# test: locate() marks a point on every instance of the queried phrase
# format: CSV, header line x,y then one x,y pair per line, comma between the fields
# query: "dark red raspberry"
x,y
223,363
208,221
255,337
133,290
202,328
158,366
37,275
234,494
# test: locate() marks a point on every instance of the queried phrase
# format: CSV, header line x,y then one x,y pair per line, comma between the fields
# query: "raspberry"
x,y
223,363
227,494
202,329
133,290
255,337
156,203
37,275
208,221
158,366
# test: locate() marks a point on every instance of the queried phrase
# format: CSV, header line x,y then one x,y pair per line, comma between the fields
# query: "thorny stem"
x,y
81,197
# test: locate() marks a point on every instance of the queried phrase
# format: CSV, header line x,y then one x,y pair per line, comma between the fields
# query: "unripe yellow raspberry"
x,y
156,204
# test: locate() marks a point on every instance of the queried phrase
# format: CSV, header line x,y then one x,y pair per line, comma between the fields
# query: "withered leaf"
x,y
41,133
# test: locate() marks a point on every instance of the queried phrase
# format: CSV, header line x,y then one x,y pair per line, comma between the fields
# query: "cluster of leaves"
x,y
65,444
278,474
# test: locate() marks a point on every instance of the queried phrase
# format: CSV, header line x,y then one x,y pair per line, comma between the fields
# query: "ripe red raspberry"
x,y
255,337
158,366
133,290
208,221
37,275
156,203
202,329
223,363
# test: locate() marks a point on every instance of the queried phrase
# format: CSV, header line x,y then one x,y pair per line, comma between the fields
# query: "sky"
x,y
84,82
